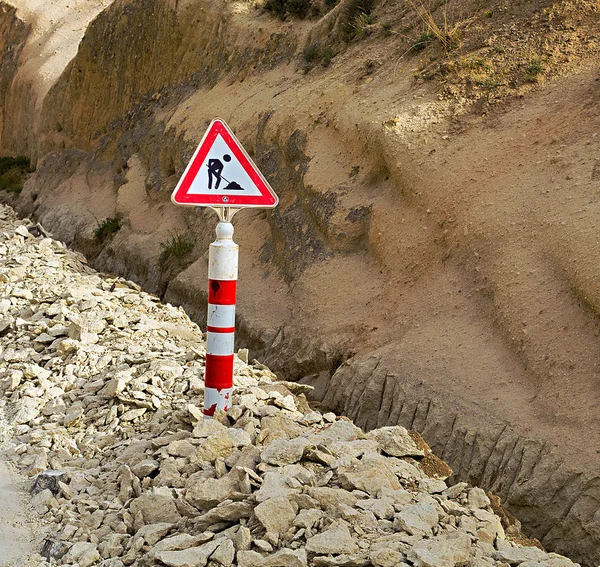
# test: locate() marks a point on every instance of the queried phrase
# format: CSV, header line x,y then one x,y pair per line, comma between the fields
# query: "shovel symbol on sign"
x,y
215,168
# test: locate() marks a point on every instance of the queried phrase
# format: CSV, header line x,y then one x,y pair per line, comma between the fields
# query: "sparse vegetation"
x,y
423,41
468,46
11,181
363,25
475,63
490,84
318,53
370,65
481,53
386,29
533,70
178,246
107,227
447,34
283,8
311,53
12,173
20,162
357,19
326,55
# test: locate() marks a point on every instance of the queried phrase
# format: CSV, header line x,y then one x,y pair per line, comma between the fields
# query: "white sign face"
x,y
221,174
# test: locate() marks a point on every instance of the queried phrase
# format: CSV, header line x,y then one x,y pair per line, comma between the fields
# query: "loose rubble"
x,y
102,385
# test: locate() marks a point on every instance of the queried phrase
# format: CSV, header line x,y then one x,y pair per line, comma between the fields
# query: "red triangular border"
x,y
180,195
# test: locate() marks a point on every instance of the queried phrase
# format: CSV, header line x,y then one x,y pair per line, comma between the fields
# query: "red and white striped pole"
x,y
220,330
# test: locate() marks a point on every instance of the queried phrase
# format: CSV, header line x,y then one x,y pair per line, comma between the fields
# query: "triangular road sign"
x,y
221,174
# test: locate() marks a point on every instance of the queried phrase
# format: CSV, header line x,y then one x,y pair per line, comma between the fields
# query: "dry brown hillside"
x,y
433,260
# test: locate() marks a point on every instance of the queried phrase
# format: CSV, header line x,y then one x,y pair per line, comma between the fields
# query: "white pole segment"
x,y
220,331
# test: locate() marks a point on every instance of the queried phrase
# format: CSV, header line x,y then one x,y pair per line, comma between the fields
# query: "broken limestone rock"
x,y
444,551
48,479
369,478
191,557
103,382
83,553
284,451
335,540
417,519
276,514
395,442
156,506
54,548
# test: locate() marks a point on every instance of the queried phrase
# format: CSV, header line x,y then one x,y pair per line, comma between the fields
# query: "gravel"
x,y
102,386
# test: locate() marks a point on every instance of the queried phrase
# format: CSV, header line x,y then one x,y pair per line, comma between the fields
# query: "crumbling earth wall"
x,y
102,386
455,249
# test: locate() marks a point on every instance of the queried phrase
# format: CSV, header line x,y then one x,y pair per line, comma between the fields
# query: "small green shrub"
x,y
107,227
489,83
363,25
20,162
283,8
12,172
318,53
386,29
447,34
535,67
326,55
178,246
370,65
356,19
475,63
12,181
311,53
423,41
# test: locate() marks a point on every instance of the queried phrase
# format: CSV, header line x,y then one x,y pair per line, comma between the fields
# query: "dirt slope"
x,y
438,214
55,31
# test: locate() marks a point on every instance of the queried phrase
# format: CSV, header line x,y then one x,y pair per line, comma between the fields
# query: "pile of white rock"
x,y
102,385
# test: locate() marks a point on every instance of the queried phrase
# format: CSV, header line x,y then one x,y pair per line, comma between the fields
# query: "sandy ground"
x,y
17,537
20,532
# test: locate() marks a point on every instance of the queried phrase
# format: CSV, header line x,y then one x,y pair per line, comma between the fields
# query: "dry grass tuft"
x,y
447,34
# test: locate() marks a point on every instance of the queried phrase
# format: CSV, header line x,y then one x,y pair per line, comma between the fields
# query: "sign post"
x,y
222,176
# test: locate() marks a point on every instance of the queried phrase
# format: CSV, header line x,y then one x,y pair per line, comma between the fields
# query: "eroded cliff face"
x,y
54,31
424,267
13,34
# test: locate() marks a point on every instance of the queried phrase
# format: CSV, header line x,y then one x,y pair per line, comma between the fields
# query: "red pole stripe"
x,y
221,292
210,411
219,371
220,329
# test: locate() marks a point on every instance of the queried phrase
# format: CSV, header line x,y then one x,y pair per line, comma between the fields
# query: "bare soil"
x,y
439,203
19,533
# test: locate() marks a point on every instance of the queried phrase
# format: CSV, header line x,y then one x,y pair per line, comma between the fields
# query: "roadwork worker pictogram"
x,y
215,168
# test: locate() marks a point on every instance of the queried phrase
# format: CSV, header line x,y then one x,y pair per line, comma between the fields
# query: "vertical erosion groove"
x,y
555,503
